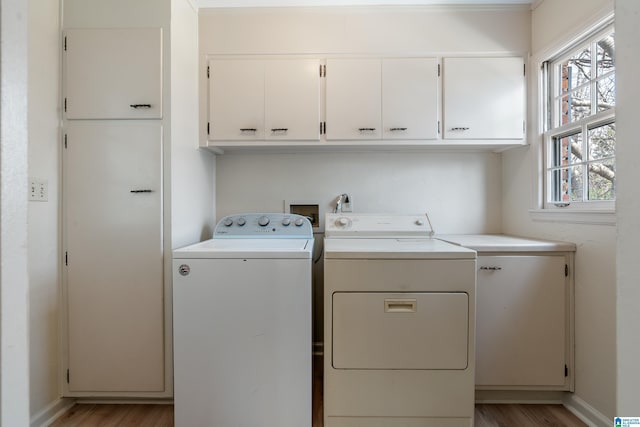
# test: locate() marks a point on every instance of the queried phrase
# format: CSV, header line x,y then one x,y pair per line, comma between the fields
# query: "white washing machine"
x,y
399,324
242,324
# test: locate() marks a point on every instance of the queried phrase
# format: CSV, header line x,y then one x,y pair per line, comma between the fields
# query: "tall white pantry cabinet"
x,y
113,267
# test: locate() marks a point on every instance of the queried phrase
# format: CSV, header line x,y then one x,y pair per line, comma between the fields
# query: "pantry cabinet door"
x,y
113,263
410,98
292,99
484,98
236,99
113,73
354,99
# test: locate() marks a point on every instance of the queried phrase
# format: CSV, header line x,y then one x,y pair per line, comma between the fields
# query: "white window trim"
x,y
589,214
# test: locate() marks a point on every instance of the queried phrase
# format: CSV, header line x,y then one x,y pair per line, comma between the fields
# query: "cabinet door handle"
x,y
459,128
279,129
136,106
493,268
142,191
398,129
248,130
366,129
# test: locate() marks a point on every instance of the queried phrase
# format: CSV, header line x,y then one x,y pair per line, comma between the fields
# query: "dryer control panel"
x,y
377,225
263,225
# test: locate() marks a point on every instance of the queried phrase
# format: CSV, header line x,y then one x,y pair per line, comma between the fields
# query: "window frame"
x,y
552,130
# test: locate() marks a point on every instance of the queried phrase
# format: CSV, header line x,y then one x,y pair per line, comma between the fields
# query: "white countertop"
x,y
505,243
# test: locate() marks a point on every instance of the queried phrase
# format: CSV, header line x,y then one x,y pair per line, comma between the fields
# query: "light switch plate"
x,y
38,189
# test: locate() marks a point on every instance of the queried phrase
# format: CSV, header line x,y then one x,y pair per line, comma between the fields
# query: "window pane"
x,y
575,105
567,184
602,180
576,70
602,141
606,54
568,150
606,92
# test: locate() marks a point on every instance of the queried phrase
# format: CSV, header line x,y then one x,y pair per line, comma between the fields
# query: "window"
x,y
580,125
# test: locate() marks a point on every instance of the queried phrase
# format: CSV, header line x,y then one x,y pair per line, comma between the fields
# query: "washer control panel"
x,y
259,225
374,225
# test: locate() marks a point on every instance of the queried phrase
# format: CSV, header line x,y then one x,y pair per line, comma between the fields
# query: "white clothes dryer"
x,y
242,324
399,324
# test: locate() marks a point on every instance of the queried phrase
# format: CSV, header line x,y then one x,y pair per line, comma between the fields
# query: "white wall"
x,y
554,22
628,206
14,355
43,244
461,191
192,169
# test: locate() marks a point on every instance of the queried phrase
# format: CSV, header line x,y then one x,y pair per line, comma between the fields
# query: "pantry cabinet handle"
x,y
456,129
366,129
142,191
248,130
398,129
136,106
491,268
279,129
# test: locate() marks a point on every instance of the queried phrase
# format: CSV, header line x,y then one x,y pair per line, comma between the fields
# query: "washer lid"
x,y
247,248
409,248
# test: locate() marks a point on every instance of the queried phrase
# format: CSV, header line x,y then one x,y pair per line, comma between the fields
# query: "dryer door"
x,y
378,330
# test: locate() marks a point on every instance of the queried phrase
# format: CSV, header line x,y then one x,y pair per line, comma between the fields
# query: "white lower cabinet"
x,y
523,322
113,266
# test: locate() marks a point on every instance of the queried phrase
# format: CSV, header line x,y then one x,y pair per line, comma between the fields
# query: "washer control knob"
x,y
228,222
298,222
342,221
263,221
241,221
286,221
419,222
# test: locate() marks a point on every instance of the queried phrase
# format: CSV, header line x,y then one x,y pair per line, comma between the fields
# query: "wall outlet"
x,y
38,190
347,203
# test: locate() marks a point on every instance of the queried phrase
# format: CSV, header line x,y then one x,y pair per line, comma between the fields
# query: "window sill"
x,y
592,217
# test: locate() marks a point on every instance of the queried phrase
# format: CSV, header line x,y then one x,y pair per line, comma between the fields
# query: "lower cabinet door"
x,y
113,267
521,321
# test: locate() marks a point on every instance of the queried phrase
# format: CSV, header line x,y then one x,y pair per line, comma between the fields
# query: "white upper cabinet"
x,y
236,99
113,73
292,100
393,98
353,95
409,98
264,99
484,98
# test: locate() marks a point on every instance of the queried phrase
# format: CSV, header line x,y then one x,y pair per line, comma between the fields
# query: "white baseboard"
x,y
586,412
52,412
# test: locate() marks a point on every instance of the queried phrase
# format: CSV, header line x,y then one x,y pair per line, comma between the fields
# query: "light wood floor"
x,y
91,415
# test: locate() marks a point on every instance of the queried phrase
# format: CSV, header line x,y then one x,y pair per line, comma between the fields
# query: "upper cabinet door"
x,y
236,99
410,98
292,99
484,98
353,99
113,73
